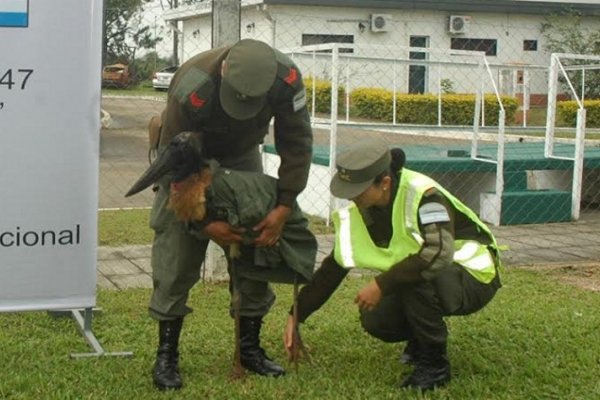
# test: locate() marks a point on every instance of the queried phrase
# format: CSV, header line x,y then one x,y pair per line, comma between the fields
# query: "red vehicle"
x,y
116,75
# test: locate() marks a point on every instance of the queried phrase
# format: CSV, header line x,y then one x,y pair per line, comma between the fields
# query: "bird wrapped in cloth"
x,y
201,191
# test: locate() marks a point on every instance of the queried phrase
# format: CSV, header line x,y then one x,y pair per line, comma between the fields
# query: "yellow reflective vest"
x,y
354,247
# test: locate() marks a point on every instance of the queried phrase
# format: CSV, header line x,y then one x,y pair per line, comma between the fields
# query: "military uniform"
x,y
242,199
194,105
423,287
230,95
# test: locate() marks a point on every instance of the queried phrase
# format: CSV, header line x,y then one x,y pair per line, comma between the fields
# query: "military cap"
x,y
248,73
358,166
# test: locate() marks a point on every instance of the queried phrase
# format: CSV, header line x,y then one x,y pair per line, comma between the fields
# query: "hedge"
x,y
323,95
457,109
567,111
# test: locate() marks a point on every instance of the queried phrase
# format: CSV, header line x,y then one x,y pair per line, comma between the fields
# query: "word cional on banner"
x,y
50,67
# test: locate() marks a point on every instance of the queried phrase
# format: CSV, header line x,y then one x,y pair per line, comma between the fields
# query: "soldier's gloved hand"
x,y
223,234
271,226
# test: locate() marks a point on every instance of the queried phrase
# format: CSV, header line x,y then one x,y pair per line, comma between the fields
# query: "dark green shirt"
x,y
243,199
193,105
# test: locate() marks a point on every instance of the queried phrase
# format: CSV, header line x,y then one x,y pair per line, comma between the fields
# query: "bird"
x,y
182,157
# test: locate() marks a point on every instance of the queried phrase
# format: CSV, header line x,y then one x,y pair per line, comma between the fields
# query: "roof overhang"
x,y
586,7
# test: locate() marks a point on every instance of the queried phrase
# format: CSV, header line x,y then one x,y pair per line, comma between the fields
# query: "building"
x,y
408,45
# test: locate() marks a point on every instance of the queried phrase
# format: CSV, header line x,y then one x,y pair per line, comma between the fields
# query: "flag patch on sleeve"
x,y
432,213
299,100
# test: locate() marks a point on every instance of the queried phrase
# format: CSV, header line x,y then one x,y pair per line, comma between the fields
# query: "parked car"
x,y
116,75
162,78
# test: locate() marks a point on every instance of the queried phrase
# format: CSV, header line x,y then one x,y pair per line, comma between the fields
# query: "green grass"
x,y
143,89
130,227
538,339
124,227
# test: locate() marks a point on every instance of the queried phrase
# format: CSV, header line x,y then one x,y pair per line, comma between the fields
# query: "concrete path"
x,y
575,242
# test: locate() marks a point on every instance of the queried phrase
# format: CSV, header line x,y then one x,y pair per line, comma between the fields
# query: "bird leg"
x,y
298,348
237,372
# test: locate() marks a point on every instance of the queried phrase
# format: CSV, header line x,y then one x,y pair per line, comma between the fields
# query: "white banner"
x,y
50,71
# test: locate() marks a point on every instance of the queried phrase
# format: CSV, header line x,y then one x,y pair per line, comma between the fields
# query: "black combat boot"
x,y
166,369
411,352
432,369
253,357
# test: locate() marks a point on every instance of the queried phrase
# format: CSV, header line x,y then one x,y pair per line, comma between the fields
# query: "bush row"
x,y
567,110
377,104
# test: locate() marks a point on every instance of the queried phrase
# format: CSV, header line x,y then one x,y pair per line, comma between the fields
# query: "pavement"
x,y
525,245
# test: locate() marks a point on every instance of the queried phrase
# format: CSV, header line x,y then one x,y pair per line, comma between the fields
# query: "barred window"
x,y
530,45
308,39
489,46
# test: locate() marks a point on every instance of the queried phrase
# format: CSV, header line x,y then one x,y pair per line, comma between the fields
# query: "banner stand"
x,y
83,319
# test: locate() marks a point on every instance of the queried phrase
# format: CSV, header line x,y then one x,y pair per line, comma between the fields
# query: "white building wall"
x,y
283,27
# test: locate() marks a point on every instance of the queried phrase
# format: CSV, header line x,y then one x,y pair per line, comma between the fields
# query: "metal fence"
x,y
498,163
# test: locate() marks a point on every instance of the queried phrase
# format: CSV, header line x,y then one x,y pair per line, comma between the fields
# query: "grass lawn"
x,y
538,339
129,227
143,89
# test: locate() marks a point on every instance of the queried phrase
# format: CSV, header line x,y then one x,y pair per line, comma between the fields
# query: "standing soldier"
x,y
230,94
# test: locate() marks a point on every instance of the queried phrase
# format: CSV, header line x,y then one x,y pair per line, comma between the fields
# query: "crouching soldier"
x,y
434,257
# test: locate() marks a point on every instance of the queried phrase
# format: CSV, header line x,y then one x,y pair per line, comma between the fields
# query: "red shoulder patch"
x,y
196,101
291,77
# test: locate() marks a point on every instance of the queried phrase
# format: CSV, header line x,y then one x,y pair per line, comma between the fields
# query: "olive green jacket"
x,y
193,105
243,199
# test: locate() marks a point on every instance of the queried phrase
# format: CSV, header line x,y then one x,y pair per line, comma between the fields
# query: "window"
x,y
530,45
308,39
489,46
417,74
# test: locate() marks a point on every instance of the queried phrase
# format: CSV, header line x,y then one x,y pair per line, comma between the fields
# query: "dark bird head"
x,y
181,158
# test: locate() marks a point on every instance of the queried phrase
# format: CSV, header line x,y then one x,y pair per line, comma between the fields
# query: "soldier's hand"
x,y
223,234
368,297
271,227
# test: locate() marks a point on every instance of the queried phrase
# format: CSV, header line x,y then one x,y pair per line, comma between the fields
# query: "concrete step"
x,y
526,207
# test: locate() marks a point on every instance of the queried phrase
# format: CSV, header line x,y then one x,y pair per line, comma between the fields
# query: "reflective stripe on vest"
x,y
355,248
344,232
476,259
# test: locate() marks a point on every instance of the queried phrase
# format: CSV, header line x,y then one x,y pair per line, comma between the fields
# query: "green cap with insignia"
x,y
358,166
248,73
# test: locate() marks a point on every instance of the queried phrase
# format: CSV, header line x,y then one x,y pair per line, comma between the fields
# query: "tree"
x,y
564,33
124,31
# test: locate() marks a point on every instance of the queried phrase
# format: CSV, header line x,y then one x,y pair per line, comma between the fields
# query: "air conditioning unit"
x,y
458,24
380,22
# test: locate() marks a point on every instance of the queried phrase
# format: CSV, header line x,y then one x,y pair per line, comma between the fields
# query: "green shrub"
x,y
567,111
322,88
372,103
457,109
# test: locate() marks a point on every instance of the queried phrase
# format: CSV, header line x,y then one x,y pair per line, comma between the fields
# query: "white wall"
x,y
283,26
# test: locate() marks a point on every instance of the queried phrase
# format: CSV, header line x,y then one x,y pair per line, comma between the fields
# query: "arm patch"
x,y
299,100
431,213
193,80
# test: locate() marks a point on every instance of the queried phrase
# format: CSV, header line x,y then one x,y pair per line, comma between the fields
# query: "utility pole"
x,y
175,31
226,16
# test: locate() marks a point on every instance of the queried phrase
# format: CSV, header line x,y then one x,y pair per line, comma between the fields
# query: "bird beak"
x,y
159,167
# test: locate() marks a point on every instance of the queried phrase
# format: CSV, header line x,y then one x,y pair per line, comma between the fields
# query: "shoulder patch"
x,y
431,213
287,70
194,80
196,101
292,76
299,100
